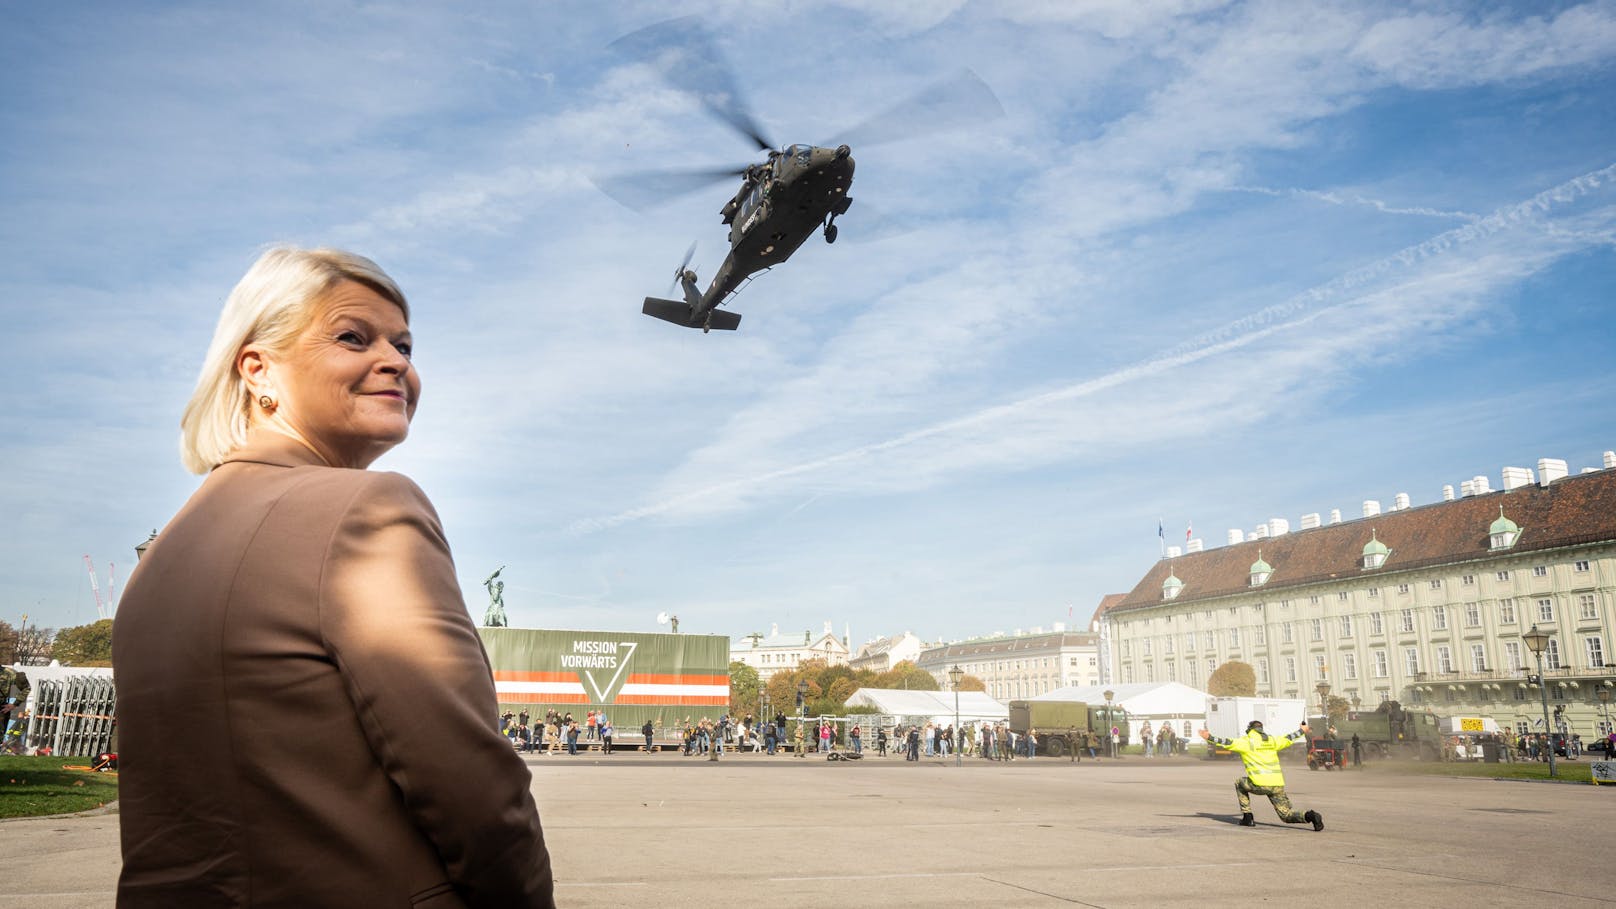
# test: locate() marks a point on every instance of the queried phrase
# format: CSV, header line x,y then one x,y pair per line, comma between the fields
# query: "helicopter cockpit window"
x,y
802,153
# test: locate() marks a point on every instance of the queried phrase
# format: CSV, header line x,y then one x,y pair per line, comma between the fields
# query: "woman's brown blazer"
x,y
306,716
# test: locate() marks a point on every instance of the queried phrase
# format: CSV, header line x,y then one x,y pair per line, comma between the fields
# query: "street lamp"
x,y
140,549
1110,724
1323,688
1537,642
802,712
954,675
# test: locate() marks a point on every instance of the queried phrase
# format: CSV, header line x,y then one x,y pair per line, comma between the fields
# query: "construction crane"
x,y
100,607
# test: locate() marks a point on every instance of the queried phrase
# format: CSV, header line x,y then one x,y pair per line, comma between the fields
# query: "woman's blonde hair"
x,y
274,301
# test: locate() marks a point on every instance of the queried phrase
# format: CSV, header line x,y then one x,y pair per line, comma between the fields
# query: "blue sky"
x,y
1217,262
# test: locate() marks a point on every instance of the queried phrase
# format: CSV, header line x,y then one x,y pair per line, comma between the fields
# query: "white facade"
x,y
1020,665
882,654
777,652
1426,606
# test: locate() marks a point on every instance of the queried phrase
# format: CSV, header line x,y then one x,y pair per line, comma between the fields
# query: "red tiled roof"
x,y
1570,511
1107,602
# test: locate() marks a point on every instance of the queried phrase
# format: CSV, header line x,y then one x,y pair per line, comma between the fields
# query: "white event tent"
x,y
1152,702
935,706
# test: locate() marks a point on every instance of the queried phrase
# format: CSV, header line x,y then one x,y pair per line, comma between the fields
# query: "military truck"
x,y
1052,719
1391,730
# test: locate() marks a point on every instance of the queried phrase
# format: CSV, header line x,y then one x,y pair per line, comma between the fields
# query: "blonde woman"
x,y
306,714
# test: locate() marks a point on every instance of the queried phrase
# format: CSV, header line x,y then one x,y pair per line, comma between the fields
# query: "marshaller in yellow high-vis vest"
x,y
1260,753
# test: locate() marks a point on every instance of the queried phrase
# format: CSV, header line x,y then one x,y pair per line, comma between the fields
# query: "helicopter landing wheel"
x,y
830,233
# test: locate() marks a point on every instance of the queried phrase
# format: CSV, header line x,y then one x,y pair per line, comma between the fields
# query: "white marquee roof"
x,y
973,705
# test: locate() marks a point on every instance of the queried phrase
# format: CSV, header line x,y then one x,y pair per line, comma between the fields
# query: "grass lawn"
x,y
1569,771
34,786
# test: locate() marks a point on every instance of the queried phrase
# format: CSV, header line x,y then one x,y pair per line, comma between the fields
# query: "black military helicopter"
x,y
797,190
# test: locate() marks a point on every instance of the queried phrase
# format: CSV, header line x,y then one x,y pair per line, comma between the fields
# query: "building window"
x,y
1382,668
1539,571
1439,618
1402,589
1234,637
1167,644
1319,672
1502,576
1580,565
1512,655
1374,593
1349,665
1314,601
1411,660
1211,640
1506,612
1472,615
1551,654
1408,620
1468,580
1346,626
1375,624
1444,659
1316,629
1478,658
1341,595
1146,646
1594,648
1285,633
1586,608
1284,604
1436,583
1545,610
1262,671
1262,635
1290,669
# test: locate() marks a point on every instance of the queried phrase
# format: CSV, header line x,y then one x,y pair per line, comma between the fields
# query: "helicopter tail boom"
x,y
681,314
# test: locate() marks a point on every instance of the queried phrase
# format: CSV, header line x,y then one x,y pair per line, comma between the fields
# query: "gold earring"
x,y
266,402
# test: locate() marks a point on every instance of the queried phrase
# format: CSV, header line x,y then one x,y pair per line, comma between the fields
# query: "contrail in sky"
x,y
1241,332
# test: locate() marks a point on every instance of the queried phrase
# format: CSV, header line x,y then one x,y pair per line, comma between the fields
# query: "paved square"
x,y
668,830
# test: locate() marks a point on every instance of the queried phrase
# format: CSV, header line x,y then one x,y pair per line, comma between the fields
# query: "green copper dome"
x,y
1503,524
1375,546
1261,567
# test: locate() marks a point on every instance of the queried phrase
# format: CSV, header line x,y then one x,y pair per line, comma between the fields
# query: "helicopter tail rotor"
x,y
679,273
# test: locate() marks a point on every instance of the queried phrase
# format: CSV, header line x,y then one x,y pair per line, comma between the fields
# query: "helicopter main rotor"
x,y
684,54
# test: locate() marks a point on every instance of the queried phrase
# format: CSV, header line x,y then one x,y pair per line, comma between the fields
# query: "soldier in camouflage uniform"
x,y
1260,752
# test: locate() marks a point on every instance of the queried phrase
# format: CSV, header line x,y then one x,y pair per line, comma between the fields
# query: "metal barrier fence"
x,y
72,716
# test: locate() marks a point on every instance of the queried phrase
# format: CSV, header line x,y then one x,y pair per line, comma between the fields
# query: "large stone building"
x,y
1020,665
771,653
1421,605
882,654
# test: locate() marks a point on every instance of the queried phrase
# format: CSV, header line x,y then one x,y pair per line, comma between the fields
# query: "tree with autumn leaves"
x,y
829,686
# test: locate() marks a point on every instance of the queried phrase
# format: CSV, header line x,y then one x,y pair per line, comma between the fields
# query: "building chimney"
x,y
1335,516
1278,527
1371,507
1516,477
1310,520
774,630
1610,459
1235,535
1174,552
1261,533
1480,485
1193,545
1466,489
1447,493
1550,469
1400,503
